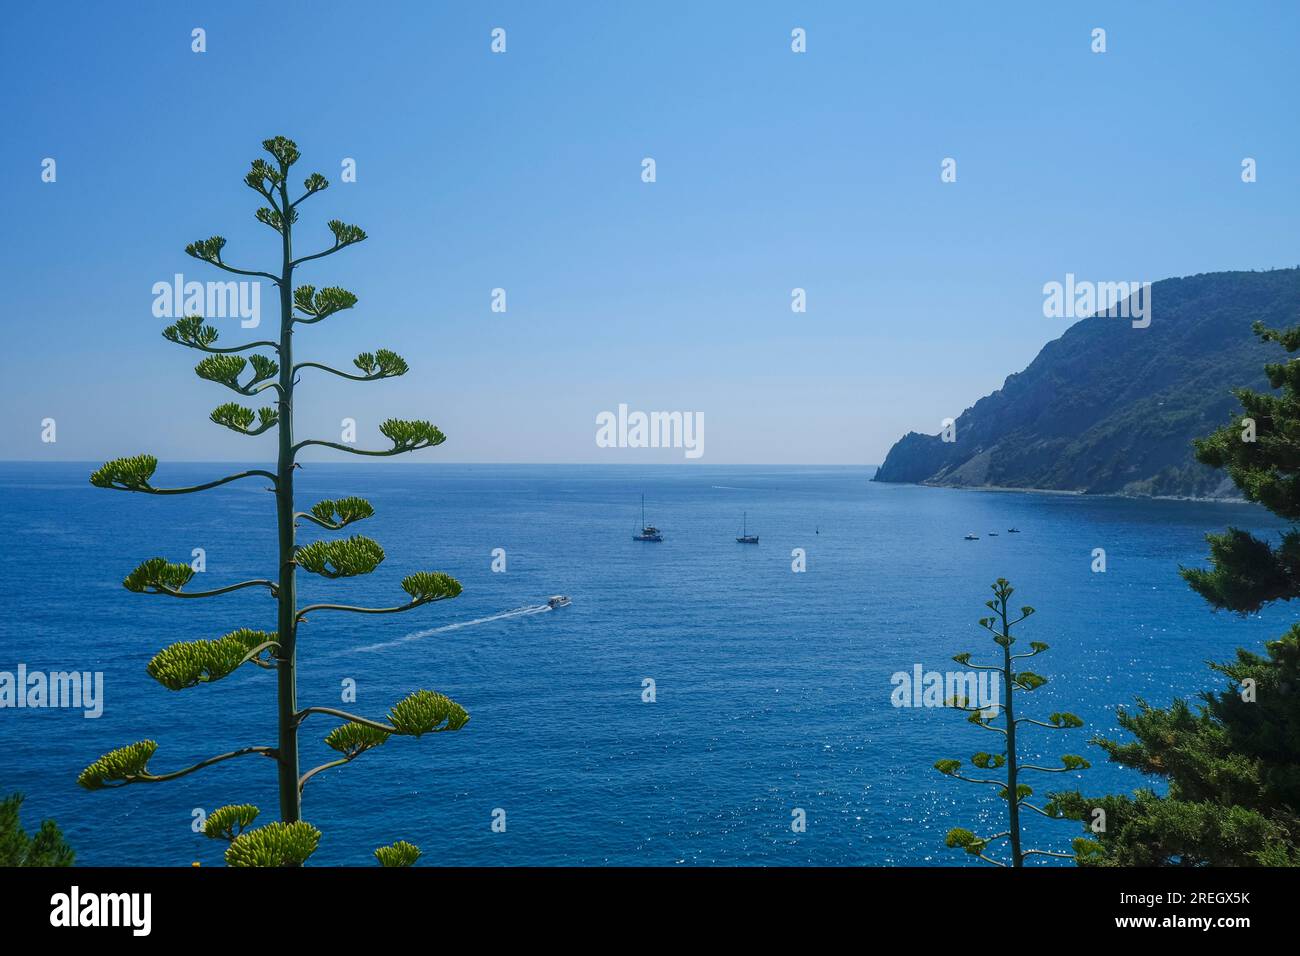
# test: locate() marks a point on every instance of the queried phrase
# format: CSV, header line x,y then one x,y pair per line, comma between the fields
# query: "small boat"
x,y
745,537
558,600
972,536
1013,531
648,531
993,534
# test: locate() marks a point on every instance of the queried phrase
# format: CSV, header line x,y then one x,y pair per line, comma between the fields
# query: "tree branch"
x,y
327,525
235,348
217,261
336,371
1039,723
157,778
260,582
320,255
356,451
148,490
996,783
302,781
364,610
344,715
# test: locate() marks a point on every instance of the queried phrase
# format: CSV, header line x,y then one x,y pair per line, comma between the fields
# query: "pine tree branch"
x,y
1063,856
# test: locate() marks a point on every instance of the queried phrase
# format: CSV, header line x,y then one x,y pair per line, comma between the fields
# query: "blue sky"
x,y
523,171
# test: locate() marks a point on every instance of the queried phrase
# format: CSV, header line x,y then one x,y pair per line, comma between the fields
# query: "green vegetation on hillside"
x,y
1232,763
1112,409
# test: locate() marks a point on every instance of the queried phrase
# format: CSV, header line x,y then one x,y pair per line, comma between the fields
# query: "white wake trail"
x,y
417,635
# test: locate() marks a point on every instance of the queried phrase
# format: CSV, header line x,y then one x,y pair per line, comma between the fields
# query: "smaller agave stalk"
x,y
1001,719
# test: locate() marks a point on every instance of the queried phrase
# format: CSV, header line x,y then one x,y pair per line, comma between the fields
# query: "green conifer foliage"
x,y
1231,762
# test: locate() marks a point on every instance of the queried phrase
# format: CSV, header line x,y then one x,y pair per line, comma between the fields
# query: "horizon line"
x,y
558,464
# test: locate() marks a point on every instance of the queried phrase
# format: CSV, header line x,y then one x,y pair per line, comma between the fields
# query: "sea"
x,y
700,702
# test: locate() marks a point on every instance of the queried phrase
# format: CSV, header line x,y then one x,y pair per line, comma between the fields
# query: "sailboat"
x,y
745,536
648,531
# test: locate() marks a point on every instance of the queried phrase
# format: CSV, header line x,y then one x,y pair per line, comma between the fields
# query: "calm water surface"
x,y
773,688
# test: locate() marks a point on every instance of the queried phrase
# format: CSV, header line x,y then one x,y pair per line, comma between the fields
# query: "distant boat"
x,y
993,534
1013,531
972,536
648,531
745,536
558,600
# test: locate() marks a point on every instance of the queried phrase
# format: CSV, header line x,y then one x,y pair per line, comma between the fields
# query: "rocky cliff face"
x,y
1112,409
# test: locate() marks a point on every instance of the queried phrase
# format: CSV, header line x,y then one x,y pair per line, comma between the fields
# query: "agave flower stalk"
x,y
188,664
1000,718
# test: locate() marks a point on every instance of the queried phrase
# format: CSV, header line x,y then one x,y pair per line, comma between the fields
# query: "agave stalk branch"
x,y
217,261
260,582
302,781
149,490
366,610
158,778
264,344
344,715
354,451
320,255
340,373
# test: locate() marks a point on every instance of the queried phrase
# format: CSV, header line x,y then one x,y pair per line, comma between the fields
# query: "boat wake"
x,y
418,635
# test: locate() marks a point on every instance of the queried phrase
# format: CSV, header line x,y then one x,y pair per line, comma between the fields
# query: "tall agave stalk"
x,y
1010,788
190,663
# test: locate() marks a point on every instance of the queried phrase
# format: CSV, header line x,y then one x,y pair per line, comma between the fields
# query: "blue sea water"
x,y
773,687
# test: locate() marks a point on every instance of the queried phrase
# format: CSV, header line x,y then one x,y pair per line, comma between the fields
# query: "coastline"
x,y
1069,492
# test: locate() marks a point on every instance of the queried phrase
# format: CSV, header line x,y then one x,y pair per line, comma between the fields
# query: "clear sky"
x,y
522,171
